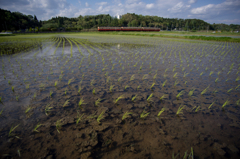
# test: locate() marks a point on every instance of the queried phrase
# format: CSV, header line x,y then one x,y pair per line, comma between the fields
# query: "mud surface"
x,y
120,97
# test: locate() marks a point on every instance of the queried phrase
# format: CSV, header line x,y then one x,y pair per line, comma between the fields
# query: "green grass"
x,y
144,114
120,97
100,117
58,125
36,127
126,115
161,111
11,130
180,109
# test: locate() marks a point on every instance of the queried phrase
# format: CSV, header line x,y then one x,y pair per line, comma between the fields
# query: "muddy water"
x,y
153,70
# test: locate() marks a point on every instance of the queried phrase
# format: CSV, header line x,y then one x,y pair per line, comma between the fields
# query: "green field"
x,y
108,95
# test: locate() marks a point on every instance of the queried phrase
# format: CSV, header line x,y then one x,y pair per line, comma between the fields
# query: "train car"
x,y
150,29
109,28
131,28
128,29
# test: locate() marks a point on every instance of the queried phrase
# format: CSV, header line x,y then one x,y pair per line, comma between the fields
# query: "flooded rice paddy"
x,y
92,96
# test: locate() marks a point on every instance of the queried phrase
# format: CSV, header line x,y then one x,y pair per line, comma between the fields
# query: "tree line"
x,y
16,21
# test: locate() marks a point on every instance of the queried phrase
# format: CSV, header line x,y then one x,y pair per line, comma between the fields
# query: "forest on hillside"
x,y
16,21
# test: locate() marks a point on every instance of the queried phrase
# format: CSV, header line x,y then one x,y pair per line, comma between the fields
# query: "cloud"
x,y
102,3
226,11
192,1
203,9
179,7
149,6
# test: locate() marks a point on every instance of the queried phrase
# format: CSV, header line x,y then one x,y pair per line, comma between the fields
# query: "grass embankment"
x,y
195,37
179,35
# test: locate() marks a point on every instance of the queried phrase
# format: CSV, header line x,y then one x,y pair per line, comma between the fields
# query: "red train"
x,y
128,29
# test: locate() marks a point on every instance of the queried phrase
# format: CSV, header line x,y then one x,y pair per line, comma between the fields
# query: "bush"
x,y
54,29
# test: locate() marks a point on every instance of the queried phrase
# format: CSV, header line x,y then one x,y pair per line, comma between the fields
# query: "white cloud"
x,y
149,6
202,10
102,3
179,7
45,9
192,1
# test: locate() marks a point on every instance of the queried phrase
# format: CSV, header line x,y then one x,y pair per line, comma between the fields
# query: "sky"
x,y
211,11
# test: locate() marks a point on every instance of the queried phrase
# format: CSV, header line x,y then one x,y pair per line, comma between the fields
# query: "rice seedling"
x,y
161,111
80,103
48,109
144,114
55,84
97,102
1,112
162,97
180,109
204,91
108,79
17,98
179,94
126,115
66,103
152,85
201,73
237,87
185,74
173,156
149,98
58,125
132,77
34,95
127,86
120,97
79,89
92,115
92,82
50,94
10,134
70,80
176,82
36,127
191,92
13,88
229,90
9,82
139,86
79,118
225,103
211,105
197,109
93,91
175,75
119,79
65,91
238,102
210,73
155,76
216,80
164,83
237,79
133,98
144,77
100,117
111,87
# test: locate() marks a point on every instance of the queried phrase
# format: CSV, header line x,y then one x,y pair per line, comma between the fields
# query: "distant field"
x,y
207,36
